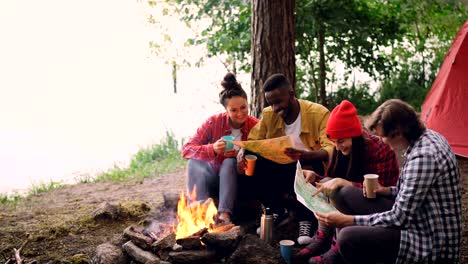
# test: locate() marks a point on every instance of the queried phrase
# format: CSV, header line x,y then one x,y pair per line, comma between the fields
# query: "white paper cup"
x,y
371,181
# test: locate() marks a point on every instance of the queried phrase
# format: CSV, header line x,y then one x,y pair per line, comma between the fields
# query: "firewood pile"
x,y
202,247
155,242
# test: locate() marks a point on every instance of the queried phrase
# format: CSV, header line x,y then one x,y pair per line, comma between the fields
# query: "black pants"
x,y
365,244
274,184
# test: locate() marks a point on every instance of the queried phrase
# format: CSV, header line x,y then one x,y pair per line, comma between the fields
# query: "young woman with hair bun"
x,y
211,168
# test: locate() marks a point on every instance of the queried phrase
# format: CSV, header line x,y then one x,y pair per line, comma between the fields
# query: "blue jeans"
x,y
209,184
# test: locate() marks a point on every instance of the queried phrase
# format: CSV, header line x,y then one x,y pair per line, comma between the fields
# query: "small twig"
x,y
18,251
17,256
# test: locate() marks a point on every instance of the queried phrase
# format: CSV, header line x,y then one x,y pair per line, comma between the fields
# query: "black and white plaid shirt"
x,y
427,205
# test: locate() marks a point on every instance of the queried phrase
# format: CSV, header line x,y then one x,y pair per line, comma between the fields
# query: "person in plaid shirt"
x,y
211,170
424,223
356,153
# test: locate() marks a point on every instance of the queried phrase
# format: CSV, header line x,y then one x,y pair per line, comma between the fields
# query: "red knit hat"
x,y
344,122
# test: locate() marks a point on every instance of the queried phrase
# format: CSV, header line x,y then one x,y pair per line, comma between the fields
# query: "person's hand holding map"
x,y
282,150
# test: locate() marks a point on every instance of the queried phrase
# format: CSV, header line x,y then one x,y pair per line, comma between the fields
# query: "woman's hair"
x,y
349,167
396,116
231,88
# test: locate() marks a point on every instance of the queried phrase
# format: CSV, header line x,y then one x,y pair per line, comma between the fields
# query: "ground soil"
x,y
61,229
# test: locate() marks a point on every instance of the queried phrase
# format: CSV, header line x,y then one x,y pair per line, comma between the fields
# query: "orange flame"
x,y
194,216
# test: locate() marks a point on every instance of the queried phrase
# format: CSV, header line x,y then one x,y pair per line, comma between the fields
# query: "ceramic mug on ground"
x,y
371,181
229,145
286,248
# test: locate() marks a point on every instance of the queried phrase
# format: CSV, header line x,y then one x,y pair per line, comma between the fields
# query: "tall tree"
x,y
352,32
272,46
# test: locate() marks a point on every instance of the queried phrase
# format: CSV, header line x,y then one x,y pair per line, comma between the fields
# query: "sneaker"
x,y
279,219
304,233
332,256
319,245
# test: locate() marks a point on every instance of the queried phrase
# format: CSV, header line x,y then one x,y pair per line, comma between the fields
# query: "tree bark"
x,y
322,66
272,46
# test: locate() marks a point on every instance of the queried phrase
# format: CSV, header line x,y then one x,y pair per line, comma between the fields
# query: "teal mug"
x,y
229,145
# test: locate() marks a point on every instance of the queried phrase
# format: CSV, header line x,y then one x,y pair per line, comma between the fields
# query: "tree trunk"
x,y
322,67
174,75
272,46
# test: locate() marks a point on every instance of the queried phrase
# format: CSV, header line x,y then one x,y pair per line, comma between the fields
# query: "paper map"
x,y
273,149
304,191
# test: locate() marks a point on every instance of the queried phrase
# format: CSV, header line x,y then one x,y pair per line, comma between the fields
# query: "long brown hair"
x,y
350,167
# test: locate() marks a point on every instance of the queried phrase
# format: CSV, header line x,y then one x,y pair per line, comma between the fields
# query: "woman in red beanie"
x,y
356,153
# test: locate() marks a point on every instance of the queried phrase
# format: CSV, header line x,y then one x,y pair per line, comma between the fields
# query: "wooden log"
x,y
200,233
191,242
193,256
223,242
166,242
139,254
137,238
221,227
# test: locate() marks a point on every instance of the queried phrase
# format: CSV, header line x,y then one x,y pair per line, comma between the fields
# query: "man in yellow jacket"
x,y
288,115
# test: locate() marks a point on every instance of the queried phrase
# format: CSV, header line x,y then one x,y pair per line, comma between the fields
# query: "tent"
x,y
445,108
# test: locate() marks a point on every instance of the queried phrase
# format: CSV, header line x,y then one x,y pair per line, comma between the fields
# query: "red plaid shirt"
x,y
200,146
381,160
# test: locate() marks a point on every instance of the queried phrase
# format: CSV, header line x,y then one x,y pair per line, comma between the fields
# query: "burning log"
x,y
191,242
136,236
140,255
193,256
200,232
225,242
221,227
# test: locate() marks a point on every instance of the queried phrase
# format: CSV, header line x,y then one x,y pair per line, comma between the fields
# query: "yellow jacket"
x,y
314,119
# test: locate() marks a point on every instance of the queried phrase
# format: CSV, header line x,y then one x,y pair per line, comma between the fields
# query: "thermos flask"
x,y
266,226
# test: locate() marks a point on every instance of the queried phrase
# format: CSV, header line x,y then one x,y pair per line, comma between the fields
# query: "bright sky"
x,y
79,89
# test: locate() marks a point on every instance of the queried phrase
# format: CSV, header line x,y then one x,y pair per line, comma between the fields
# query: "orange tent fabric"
x,y
445,108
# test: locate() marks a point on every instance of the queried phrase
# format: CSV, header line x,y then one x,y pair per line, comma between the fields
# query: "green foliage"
x,y
400,43
148,161
408,85
41,187
227,32
10,198
360,95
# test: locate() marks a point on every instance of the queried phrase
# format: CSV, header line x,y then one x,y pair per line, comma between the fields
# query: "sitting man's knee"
x,y
346,238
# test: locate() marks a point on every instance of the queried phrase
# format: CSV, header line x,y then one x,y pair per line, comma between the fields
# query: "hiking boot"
x,y
304,233
332,256
319,245
280,218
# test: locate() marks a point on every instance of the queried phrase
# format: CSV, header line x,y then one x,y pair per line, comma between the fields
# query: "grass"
x,y
147,162
42,187
9,198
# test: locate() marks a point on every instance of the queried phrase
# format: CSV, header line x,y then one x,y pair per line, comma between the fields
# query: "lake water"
x,y
80,90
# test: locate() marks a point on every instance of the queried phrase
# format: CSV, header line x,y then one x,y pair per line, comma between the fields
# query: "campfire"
x,y
194,216
196,239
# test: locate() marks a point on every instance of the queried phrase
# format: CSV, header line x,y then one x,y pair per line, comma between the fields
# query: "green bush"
x,y
360,95
149,161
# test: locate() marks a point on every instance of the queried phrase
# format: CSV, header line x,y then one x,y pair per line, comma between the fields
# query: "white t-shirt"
x,y
237,134
294,129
